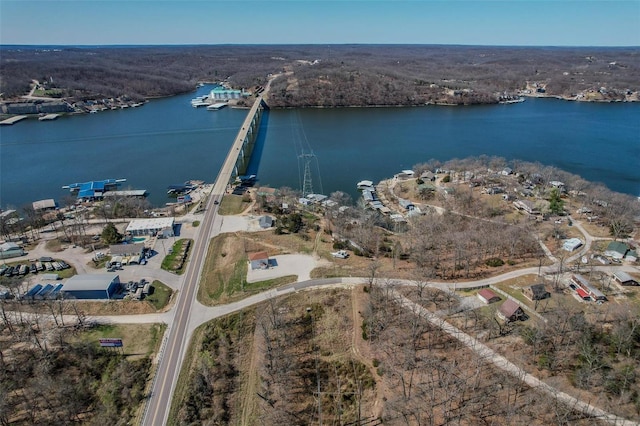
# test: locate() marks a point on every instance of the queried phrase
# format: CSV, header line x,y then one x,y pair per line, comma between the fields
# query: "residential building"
x,y
488,296
536,292
571,244
510,311
616,250
585,285
526,206
259,260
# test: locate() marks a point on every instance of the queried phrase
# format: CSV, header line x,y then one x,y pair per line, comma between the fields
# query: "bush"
x,y
195,223
446,179
494,262
340,245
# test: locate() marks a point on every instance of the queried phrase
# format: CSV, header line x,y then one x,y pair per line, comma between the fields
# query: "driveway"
x,y
287,264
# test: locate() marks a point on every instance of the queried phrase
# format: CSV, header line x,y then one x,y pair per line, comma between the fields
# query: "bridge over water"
x,y
177,337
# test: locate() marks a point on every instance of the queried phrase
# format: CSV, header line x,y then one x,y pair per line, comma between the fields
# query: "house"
x,y
510,311
571,244
494,190
405,174
428,176
624,278
8,250
631,256
585,285
316,198
259,260
506,171
48,204
406,204
536,292
526,206
616,250
265,222
488,296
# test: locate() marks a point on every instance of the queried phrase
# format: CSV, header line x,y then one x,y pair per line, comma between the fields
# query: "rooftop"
x,y
151,223
89,282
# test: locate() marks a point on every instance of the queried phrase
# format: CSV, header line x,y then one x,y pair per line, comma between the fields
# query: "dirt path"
x,y
252,383
358,346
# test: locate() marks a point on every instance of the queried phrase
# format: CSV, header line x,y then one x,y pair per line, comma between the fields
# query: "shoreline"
x,y
496,102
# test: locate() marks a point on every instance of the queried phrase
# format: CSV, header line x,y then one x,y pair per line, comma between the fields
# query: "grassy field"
x,y
160,296
138,340
233,204
224,276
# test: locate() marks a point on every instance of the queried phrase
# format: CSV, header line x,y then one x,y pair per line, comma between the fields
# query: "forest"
x,y
326,76
50,374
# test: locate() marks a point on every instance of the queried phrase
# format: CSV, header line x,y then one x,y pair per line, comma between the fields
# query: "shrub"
x,y
494,262
446,179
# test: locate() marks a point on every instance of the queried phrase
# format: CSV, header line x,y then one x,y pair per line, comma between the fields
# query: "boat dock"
x,y
48,117
12,120
216,106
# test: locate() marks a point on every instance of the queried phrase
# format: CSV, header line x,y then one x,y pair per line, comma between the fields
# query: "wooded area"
x,y
334,75
51,375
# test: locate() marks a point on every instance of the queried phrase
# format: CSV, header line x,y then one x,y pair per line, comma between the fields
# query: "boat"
x,y
365,184
513,101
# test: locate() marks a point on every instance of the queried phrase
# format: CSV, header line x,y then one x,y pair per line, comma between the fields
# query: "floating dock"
x,y
216,106
94,189
12,120
48,117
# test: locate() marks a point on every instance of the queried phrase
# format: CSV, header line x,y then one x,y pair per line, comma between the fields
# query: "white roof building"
x,y
149,226
571,244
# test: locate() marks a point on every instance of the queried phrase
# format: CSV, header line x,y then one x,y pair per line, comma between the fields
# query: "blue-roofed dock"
x,y
94,189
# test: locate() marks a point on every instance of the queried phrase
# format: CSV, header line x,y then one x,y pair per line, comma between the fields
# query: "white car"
x,y
340,254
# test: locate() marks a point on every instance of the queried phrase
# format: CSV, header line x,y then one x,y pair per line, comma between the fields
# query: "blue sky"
x,y
513,22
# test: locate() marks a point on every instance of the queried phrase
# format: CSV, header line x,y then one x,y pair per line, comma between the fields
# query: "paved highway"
x,y
172,354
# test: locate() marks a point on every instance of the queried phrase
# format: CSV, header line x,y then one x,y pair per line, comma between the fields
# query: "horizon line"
x,y
7,45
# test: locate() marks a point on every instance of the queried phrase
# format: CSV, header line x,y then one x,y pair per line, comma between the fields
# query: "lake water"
x,y
168,142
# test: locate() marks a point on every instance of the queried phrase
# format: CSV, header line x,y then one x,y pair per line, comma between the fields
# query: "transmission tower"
x,y
307,183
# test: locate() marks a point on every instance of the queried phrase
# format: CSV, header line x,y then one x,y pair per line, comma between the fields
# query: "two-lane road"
x,y
157,409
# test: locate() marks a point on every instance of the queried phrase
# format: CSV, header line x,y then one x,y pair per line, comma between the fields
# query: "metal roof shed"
x,y
91,286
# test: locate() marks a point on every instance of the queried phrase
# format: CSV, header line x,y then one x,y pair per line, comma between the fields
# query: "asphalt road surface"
x,y
172,353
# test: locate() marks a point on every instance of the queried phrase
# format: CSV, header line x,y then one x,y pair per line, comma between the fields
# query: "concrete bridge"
x,y
244,142
177,336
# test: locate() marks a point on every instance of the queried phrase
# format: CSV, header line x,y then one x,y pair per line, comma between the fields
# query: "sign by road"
x,y
111,343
